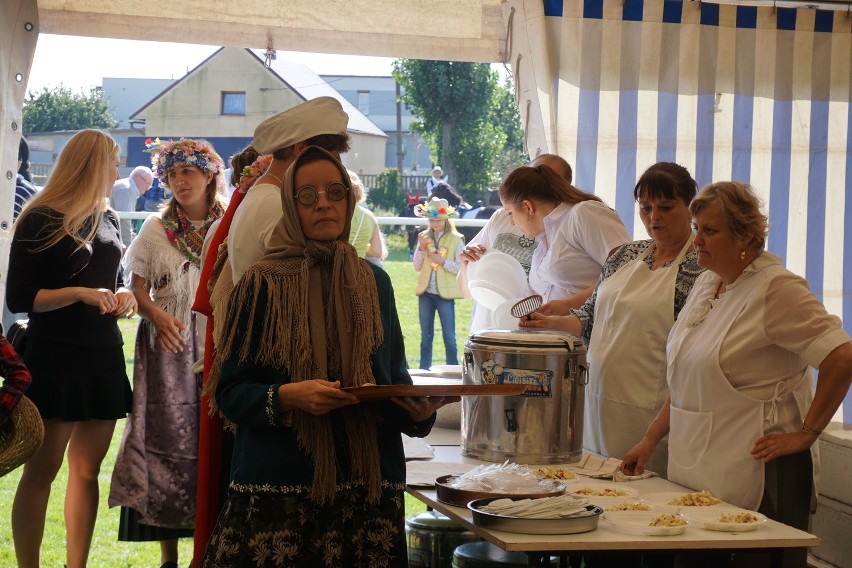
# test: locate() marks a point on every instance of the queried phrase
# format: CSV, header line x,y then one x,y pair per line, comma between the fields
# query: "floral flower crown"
x,y
196,153
436,209
250,173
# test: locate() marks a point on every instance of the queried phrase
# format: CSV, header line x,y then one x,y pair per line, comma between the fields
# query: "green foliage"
x,y
62,109
504,113
470,122
453,102
388,194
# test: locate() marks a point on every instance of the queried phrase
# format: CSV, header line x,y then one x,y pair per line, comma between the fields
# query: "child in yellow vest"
x,y
436,258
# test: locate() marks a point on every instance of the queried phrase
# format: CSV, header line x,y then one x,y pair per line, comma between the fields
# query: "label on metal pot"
x,y
538,381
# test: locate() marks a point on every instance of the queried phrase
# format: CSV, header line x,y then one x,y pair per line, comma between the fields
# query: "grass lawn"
x,y
106,550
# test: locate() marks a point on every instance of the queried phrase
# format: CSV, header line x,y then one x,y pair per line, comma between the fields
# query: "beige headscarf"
x,y
321,297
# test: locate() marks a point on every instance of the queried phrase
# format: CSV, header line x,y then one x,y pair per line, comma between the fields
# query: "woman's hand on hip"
x,y
101,298
169,331
420,408
774,446
314,396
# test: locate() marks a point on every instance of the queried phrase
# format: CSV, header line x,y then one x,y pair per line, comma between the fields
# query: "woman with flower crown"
x,y
155,472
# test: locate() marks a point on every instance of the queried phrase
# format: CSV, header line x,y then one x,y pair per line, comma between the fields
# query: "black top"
x,y
60,266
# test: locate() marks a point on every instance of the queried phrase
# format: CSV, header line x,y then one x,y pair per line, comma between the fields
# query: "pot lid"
x,y
526,337
433,520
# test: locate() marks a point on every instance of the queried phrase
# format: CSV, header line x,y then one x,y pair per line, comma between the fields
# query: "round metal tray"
x,y
461,497
579,523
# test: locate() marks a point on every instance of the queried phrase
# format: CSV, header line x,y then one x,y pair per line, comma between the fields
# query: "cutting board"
x,y
379,392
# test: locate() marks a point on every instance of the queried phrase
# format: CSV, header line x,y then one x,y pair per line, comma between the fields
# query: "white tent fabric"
x,y
755,94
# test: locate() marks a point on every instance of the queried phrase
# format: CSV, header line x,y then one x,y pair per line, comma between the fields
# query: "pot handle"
x,y
580,375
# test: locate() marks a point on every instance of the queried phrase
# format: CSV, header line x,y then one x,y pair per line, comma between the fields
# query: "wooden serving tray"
x,y
379,392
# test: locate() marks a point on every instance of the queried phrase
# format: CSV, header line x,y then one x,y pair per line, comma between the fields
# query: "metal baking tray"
x,y
578,523
461,497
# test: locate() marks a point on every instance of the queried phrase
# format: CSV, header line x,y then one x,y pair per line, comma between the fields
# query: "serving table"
x,y
771,535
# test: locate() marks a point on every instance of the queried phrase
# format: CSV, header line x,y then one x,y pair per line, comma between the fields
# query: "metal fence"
x,y
410,184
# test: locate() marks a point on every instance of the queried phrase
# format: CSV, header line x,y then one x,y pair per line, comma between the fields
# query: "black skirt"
x,y
131,530
74,383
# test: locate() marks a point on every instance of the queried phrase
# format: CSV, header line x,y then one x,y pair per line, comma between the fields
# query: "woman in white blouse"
x,y
575,232
742,416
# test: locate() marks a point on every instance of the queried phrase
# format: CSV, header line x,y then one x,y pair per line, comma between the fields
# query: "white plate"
x,y
447,370
639,523
665,498
708,518
607,502
597,486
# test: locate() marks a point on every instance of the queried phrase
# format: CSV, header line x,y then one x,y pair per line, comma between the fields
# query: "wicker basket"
x,y
21,436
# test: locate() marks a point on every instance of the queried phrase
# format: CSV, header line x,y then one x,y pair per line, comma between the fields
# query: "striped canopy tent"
x,y
759,94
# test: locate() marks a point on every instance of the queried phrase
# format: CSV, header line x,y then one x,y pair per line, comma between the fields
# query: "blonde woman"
x,y
63,270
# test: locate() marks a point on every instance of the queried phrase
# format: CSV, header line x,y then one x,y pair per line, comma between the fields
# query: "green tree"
x,y
453,102
62,109
504,113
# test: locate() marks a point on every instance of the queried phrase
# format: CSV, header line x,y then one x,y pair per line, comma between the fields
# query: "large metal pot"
x,y
545,424
431,539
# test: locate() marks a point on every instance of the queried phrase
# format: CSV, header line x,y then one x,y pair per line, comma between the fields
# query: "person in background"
x,y
575,232
436,258
24,160
499,233
436,178
638,297
124,194
320,121
154,476
64,271
365,236
316,475
739,360
24,189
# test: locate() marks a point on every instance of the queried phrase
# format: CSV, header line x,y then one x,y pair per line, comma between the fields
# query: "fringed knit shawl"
x,y
172,276
320,320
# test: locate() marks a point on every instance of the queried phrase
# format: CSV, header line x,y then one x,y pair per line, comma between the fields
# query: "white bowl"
x,y
495,278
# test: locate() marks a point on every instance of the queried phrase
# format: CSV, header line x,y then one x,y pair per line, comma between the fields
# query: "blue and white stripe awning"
x,y
751,93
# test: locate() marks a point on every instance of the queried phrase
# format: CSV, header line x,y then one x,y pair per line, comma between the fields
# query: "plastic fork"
x,y
526,306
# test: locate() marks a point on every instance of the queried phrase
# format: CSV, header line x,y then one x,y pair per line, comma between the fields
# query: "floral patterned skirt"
x,y
290,531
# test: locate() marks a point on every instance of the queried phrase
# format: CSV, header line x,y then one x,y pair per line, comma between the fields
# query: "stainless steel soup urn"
x,y
544,425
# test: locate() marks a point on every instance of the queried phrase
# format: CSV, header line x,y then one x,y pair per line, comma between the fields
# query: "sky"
x,y
82,62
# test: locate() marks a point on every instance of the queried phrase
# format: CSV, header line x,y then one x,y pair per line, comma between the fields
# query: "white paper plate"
x,y
447,370
708,518
639,523
622,489
665,498
608,504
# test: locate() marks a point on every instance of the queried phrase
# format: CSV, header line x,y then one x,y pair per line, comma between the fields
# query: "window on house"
x,y
364,101
234,103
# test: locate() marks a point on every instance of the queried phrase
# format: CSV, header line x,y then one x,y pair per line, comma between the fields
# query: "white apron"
x,y
713,425
634,313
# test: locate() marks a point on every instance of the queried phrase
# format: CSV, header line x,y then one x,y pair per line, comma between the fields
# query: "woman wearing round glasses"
x,y
316,476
